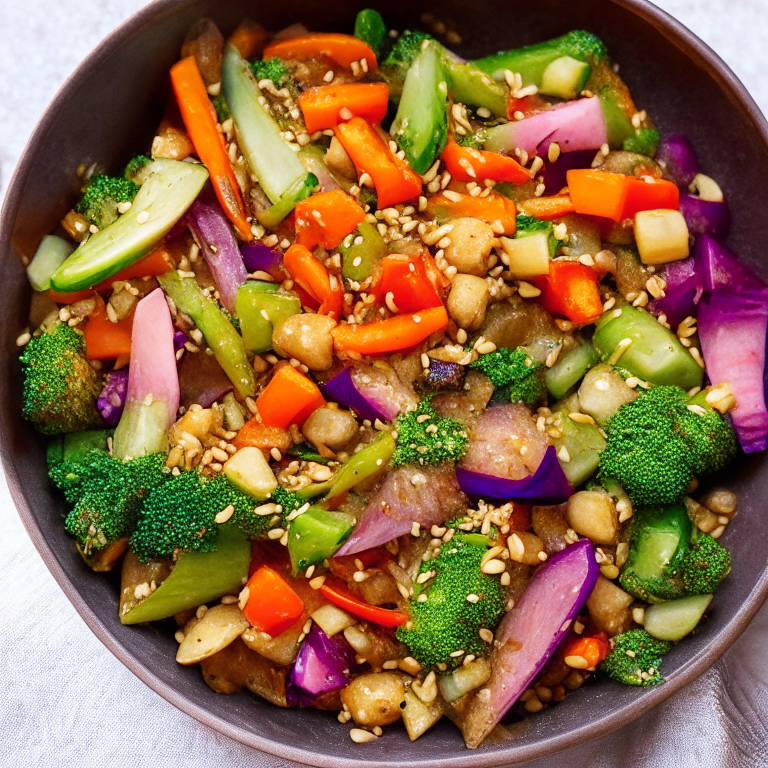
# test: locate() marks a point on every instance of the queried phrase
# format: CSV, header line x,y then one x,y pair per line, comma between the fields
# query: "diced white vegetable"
x,y
249,471
332,620
662,236
528,256
464,679
564,78
219,626
609,607
419,717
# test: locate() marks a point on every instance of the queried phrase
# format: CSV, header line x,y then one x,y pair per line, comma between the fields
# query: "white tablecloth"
x,y
66,701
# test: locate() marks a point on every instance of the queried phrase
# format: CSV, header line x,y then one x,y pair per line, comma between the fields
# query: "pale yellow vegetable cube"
x,y
249,471
662,236
528,256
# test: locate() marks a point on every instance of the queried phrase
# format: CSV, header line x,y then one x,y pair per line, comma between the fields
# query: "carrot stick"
x,y
391,335
324,107
105,340
343,49
289,398
465,164
200,120
313,277
326,219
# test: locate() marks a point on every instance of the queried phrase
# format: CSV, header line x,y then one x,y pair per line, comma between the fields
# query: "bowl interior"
x,y
111,107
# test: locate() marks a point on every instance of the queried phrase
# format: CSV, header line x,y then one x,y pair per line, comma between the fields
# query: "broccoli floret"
x,y
430,440
181,516
635,658
101,197
60,387
529,225
514,374
657,444
473,140
371,29
405,49
584,45
706,564
134,170
106,494
447,622
644,142
274,69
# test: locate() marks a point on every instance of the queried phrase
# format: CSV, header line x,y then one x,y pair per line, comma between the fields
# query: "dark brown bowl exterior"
x,y
111,105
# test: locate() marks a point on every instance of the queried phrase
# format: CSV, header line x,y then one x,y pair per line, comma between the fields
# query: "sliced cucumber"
x,y
565,78
421,123
50,255
569,369
675,619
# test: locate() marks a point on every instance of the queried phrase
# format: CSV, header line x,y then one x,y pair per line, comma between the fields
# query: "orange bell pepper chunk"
x,y
547,208
465,164
571,290
313,277
617,197
200,121
357,607
289,398
405,277
326,219
272,604
390,335
343,49
254,434
494,209
395,181
105,340
587,650
156,263
329,105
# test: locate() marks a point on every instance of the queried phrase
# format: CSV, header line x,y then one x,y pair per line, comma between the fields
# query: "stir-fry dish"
x,y
394,382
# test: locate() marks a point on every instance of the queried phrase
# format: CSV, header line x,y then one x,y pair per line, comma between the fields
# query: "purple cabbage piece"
x,y
554,174
547,485
214,235
720,270
322,666
705,216
677,155
179,340
342,389
112,398
682,294
260,257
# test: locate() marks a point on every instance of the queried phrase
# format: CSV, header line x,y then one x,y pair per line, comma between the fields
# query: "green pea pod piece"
x,y
260,308
197,578
170,188
220,334
359,259
363,465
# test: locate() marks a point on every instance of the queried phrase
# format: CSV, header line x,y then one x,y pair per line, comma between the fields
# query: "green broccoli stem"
x,y
569,369
163,199
359,467
276,166
220,334
421,123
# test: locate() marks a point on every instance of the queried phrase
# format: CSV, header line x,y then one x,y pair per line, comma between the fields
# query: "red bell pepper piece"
x,y
465,164
405,277
289,398
313,277
272,604
343,49
326,219
361,609
491,209
571,290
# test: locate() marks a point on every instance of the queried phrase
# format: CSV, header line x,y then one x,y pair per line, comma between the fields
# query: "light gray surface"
x,y
66,701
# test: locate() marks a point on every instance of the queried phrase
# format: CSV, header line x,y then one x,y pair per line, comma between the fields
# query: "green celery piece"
x,y
584,444
371,29
220,334
255,298
52,252
301,189
275,164
370,252
655,354
372,459
617,124
197,578
421,123
569,369
315,535
171,187
470,85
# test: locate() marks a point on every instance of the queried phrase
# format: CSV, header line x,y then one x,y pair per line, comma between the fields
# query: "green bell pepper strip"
x,y
197,578
300,190
170,189
220,334
260,308
470,85
359,260
275,164
315,535
371,29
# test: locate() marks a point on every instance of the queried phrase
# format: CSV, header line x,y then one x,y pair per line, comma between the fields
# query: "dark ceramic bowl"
x,y
122,85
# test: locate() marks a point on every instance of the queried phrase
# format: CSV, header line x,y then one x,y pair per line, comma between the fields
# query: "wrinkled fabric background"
x,y
66,701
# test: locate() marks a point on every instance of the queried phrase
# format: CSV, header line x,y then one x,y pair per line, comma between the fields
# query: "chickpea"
x,y
593,515
374,699
307,337
468,300
471,243
330,427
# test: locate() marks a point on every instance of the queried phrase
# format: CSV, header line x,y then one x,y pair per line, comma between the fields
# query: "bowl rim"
x,y
703,56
